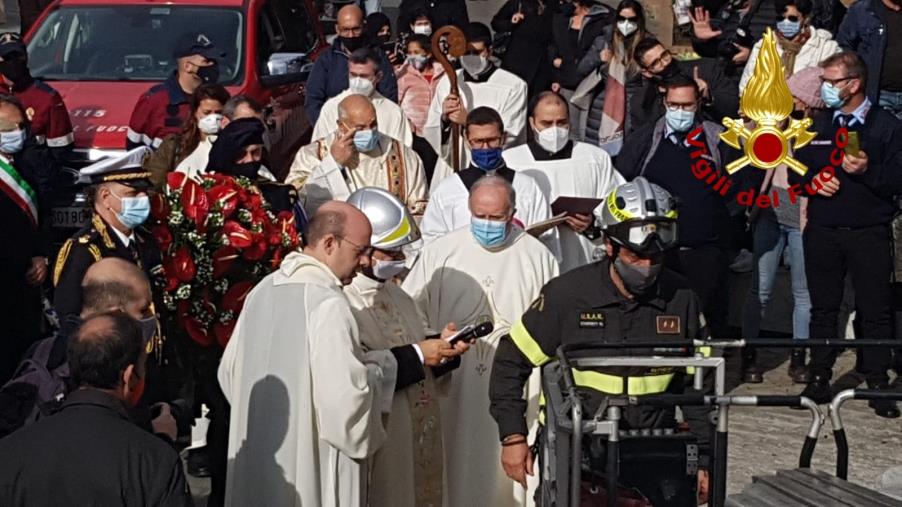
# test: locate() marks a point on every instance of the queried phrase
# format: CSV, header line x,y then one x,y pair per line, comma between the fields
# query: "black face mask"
x,y
797,114
15,70
668,72
382,39
248,169
352,43
209,74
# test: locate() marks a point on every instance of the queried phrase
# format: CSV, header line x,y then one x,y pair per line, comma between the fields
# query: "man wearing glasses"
x,y
848,223
329,76
719,96
664,152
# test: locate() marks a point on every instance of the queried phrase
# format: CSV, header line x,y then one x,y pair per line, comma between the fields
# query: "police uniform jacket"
x,y
93,242
584,306
50,122
89,453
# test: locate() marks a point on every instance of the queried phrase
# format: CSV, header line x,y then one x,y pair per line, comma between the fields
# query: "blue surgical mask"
x,y
789,29
831,97
12,142
417,61
366,140
679,120
486,159
135,210
489,233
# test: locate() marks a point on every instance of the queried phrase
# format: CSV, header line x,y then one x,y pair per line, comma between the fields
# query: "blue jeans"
x,y
892,102
770,239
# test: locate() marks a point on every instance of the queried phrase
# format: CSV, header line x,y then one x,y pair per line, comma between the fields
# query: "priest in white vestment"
x,y
491,270
448,208
356,155
407,471
565,168
307,401
363,77
480,83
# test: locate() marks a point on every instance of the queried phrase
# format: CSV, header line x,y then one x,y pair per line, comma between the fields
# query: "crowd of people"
x,y
549,190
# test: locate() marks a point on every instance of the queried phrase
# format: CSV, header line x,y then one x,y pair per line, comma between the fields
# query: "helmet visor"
x,y
646,237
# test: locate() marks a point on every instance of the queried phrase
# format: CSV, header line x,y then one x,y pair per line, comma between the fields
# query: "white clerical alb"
x,y
307,402
457,280
389,116
581,171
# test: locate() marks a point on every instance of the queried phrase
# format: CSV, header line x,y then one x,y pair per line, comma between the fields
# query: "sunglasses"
x,y
793,19
624,18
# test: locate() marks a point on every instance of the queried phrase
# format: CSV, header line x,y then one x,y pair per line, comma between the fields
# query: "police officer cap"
x,y
126,169
11,44
196,43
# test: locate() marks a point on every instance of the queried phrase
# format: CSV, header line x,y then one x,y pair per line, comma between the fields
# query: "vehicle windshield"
x,y
130,43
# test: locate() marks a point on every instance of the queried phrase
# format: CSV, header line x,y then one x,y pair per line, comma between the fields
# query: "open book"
x,y
539,228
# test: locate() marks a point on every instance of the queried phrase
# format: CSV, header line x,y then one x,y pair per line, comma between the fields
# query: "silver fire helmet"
x,y
393,225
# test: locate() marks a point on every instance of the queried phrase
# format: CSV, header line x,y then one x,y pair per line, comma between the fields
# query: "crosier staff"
x,y
449,41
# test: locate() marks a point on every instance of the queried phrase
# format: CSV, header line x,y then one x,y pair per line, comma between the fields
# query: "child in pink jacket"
x,y
417,80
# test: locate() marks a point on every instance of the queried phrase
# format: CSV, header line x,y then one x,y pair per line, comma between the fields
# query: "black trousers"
x,y
706,267
866,255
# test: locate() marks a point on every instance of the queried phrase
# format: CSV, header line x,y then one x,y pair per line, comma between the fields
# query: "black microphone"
x,y
471,332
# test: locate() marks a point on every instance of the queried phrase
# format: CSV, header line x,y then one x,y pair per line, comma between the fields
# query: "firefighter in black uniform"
x,y
627,296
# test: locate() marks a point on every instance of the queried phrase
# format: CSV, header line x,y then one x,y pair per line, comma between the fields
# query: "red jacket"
x,y
159,112
50,123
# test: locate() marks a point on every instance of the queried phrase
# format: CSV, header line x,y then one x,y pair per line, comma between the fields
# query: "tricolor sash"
x,y
16,188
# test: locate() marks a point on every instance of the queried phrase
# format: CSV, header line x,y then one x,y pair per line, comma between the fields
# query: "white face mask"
x,y
386,270
361,86
553,139
210,124
627,28
474,65
423,29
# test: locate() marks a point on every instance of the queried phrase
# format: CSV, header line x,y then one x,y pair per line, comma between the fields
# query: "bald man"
x,y
307,402
329,76
356,155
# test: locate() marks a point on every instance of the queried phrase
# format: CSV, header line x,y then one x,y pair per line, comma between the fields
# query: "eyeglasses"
x,y
677,107
624,18
364,251
793,19
492,142
660,61
836,81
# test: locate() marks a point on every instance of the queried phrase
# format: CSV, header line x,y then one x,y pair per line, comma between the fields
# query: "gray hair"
x,y
493,180
230,108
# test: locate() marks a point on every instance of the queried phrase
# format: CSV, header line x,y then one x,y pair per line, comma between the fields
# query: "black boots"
x,y
797,369
751,372
818,390
883,408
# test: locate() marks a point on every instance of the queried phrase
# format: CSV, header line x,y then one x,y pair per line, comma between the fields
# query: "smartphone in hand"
x,y
853,147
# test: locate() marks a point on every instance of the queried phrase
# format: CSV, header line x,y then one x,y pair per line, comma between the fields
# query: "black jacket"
x,y
89,453
527,49
862,200
863,30
593,26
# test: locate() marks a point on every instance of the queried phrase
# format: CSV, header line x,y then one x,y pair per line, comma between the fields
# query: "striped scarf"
x,y
16,188
613,114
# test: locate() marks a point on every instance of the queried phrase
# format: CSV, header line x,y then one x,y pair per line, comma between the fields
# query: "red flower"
x,y
159,207
195,202
176,179
226,196
223,332
163,235
233,300
223,260
183,265
197,332
238,236
257,248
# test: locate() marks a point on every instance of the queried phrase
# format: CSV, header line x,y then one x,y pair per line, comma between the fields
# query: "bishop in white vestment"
x,y
367,158
307,401
458,279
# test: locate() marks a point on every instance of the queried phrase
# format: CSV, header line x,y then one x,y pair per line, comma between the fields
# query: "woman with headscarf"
x,y
377,32
611,66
